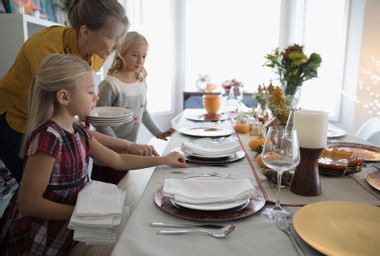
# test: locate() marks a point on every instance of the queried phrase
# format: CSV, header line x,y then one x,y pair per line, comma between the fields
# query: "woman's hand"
x,y
165,134
175,159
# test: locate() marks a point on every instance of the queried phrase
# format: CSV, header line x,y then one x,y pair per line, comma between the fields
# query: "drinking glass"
x,y
280,153
211,104
234,98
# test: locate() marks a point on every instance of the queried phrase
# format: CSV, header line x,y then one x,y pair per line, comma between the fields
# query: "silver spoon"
x,y
221,233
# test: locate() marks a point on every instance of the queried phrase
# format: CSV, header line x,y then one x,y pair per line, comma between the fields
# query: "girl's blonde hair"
x,y
57,72
131,39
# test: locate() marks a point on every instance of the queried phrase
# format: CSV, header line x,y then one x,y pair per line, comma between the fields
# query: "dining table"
x,y
254,234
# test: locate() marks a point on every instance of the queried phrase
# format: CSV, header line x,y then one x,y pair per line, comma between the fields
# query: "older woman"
x,y
97,28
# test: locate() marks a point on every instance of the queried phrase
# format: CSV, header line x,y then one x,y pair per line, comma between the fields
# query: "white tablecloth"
x,y
255,235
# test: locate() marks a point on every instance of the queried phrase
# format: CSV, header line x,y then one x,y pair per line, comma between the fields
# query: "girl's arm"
x,y
124,146
129,162
35,179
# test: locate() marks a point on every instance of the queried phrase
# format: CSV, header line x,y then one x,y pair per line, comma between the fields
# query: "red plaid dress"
x,y
23,235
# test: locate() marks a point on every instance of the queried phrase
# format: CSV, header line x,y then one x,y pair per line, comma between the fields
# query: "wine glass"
x,y
234,98
280,153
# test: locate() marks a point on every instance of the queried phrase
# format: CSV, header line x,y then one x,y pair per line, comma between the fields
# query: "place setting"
x,y
212,151
205,131
109,116
209,198
211,105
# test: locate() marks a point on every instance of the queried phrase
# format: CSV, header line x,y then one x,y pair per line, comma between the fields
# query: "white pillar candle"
x,y
311,128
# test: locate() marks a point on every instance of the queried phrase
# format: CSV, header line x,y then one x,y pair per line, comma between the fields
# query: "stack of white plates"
x,y
209,148
109,116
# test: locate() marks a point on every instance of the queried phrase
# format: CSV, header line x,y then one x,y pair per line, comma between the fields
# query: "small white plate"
x,y
212,207
334,132
205,131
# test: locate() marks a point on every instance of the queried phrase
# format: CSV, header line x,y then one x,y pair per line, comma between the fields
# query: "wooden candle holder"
x,y
306,180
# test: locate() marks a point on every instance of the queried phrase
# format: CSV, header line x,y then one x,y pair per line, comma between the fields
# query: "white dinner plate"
x,y
207,156
335,132
205,131
211,148
110,112
205,118
212,207
216,161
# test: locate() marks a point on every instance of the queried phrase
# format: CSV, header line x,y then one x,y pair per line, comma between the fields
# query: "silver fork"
x,y
284,226
221,233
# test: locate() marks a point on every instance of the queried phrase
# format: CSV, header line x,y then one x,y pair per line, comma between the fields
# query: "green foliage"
x,y
293,67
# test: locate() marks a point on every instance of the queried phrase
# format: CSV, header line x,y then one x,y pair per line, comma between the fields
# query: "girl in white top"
x,y
125,86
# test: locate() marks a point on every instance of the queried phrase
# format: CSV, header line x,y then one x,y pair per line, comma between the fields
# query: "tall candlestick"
x,y
311,129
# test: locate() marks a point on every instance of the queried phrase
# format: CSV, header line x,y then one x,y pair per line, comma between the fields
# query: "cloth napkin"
x,y
208,147
99,199
203,190
98,213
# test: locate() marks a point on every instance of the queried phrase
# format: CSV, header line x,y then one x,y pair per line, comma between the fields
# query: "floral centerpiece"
x,y
235,85
293,67
204,83
227,84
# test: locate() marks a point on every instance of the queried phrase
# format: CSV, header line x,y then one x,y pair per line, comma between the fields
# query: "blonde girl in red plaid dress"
x,y
57,150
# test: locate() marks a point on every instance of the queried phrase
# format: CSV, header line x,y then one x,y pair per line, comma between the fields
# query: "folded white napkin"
x,y
90,237
208,147
97,213
207,190
106,222
99,199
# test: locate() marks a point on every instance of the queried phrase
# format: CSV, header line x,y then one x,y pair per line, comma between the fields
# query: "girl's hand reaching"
x,y
175,159
165,134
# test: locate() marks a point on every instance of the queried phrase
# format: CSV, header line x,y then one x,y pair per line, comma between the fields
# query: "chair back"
x,y
370,131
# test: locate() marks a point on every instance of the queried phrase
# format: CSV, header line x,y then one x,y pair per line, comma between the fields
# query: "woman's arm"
x,y
35,179
129,162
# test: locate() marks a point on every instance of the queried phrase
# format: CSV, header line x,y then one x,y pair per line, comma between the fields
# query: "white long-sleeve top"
x,y
116,93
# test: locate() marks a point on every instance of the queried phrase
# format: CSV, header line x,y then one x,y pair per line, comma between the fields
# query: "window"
x,y
228,39
154,20
326,36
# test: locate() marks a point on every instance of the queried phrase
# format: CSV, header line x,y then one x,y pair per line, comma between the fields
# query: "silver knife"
x,y
183,225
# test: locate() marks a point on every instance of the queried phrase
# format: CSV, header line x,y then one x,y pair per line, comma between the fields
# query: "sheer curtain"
x,y
227,39
327,36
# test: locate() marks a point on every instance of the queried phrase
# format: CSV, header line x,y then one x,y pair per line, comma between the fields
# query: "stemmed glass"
x,y
280,153
234,98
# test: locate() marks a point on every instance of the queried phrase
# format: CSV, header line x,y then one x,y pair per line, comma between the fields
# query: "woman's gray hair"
x,y
96,14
